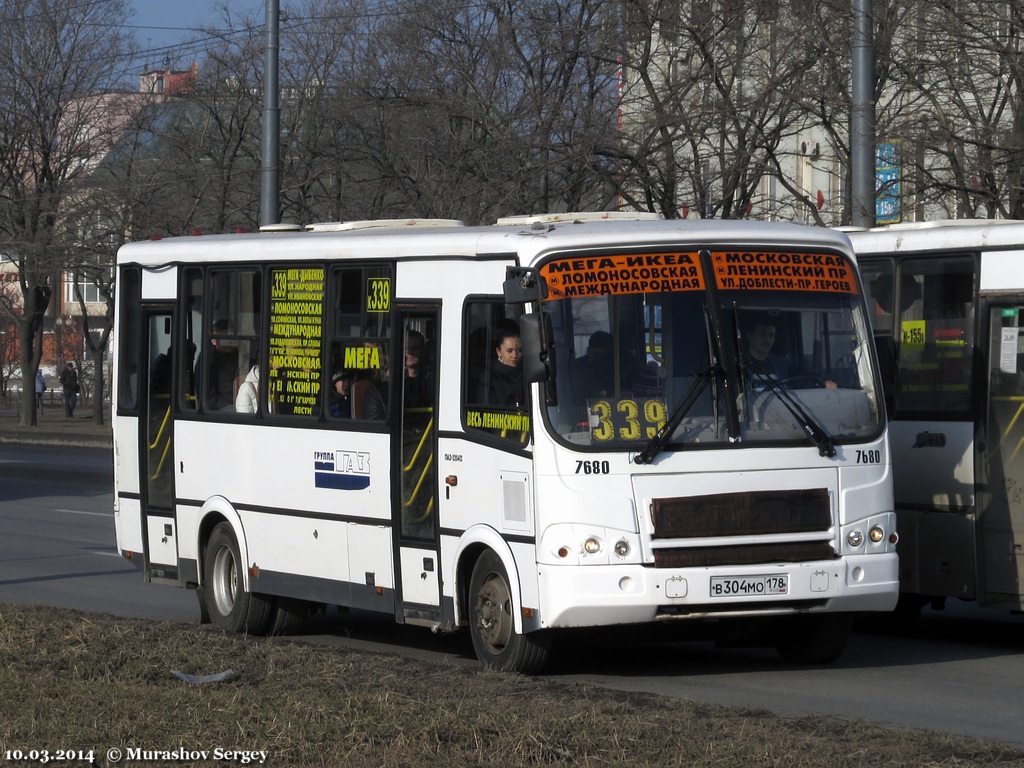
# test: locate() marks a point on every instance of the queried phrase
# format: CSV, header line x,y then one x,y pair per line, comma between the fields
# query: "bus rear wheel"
x,y
229,605
287,616
492,622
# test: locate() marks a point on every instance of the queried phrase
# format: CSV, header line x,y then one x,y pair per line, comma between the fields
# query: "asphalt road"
x,y
57,537
958,671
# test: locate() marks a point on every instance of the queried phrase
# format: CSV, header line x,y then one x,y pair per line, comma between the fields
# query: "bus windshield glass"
x,y
643,340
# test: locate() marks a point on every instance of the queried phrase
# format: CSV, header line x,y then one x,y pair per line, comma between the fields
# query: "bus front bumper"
x,y
598,595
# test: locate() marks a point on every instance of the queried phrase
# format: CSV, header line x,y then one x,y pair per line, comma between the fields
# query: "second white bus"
x,y
948,311
336,416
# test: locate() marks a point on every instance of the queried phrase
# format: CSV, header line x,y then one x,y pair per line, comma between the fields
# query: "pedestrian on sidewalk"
x,y
40,391
69,380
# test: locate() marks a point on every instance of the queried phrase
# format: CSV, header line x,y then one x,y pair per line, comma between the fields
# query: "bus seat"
x,y
358,396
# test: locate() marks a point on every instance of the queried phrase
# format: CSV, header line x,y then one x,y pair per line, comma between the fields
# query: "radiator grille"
x,y
757,513
742,514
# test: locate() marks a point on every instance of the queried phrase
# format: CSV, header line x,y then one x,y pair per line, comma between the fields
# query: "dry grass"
x,y
71,680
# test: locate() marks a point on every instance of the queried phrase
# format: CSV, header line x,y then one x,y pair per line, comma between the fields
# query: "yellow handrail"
x,y
156,442
163,426
1013,422
419,446
427,464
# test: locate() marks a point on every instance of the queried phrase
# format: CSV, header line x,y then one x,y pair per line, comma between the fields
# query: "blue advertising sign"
x,y
887,183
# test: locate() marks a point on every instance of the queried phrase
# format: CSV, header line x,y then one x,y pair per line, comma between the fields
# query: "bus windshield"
x,y
754,361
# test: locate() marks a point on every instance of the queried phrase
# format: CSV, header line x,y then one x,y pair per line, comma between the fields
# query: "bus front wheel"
x,y
492,622
229,605
817,638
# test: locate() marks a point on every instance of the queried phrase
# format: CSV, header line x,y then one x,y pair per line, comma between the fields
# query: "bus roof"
x,y
527,238
944,235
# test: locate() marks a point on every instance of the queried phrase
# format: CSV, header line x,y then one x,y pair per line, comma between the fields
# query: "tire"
x,y
229,605
818,638
287,616
492,622
204,611
909,606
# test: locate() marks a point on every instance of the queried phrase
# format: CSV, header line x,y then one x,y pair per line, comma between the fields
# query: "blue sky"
x,y
160,25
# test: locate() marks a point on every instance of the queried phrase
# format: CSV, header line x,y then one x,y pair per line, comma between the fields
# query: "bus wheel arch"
x,y
474,543
492,612
230,605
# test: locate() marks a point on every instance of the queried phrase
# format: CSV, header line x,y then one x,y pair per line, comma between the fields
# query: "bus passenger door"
x,y
415,467
1002,514
156,460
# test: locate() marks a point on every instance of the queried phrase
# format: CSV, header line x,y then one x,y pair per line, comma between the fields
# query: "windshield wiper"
x,y
699,384
814,431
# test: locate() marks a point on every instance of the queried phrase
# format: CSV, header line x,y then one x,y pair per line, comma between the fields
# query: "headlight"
x,y
855,538
876,534
592,546
622,548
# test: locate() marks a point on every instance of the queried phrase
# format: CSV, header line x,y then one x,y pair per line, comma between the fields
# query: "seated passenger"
x,y
221,364
247,399
419,380
372,386
341,394
503,386
593,375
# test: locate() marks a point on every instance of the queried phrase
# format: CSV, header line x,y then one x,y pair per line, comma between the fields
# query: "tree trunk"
x,y
31,334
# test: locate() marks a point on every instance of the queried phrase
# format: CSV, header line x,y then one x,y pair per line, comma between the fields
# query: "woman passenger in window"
x,y
504,386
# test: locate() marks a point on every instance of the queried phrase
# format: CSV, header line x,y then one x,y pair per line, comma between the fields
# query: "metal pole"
x,y
270,212
862,117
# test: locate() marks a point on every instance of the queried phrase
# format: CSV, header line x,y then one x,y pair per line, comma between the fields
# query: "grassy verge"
x,y
75,681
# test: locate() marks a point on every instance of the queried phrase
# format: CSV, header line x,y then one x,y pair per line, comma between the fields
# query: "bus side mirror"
x,y
523,286
538,351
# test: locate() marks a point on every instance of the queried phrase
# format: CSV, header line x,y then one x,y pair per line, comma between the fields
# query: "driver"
x,y
763,362
759,357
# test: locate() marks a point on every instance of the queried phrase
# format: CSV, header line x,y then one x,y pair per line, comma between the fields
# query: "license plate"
x,y
749,586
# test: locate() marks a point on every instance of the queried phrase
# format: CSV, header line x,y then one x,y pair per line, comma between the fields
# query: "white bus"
x,y
948,314
334,416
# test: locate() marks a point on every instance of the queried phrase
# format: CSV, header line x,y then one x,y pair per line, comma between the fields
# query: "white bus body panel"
x,y
290,524
1001,271
127,504
936,463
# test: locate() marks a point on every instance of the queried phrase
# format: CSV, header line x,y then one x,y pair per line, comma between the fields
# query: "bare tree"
x,y
9,358
53,54
712,93
954,103
459,111
189,162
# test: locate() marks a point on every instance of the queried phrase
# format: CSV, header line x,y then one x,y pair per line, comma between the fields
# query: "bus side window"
x,y
495,397
130,295
935,333
358,392
359,327
195,326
